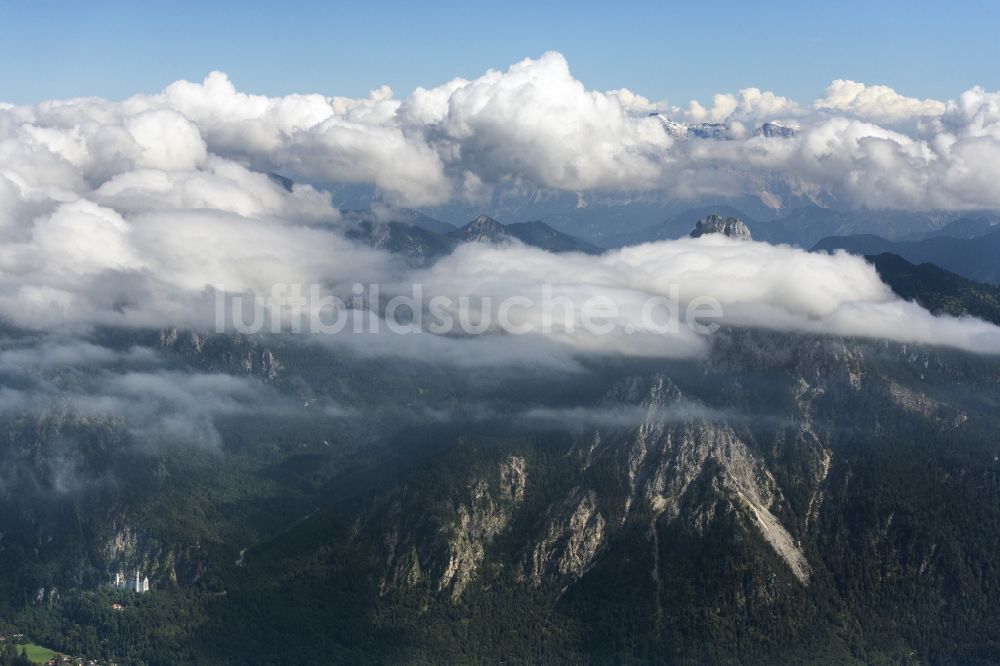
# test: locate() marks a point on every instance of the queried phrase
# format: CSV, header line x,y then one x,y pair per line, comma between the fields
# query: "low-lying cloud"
x,y
71,382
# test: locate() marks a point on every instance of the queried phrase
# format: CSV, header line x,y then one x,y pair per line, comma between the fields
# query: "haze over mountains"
x,y
974,258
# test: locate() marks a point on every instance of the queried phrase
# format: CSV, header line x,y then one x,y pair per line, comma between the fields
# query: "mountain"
x,y
973,258
718,131
483,229
536,234
774,130
425,222
675,129
783,498
676,226
406,216
671,527
970,226
938,290
804,227
864,244
777,210
418,241
732,227
787,498
418,244
707,130
283,181
680,130
808,225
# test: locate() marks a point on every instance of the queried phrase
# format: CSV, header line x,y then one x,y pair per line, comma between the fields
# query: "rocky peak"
x,y
727,226
679,130
672,127
483,229
774,129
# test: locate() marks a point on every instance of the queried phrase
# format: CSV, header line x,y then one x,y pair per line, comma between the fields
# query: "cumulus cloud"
x,y
533,123
537,122
166,140
876,103
750,105
633,102
221,185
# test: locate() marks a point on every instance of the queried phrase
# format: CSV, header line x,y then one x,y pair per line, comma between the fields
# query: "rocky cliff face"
x,y
673,459
727,226
129,548
661,457
573,531
441,542
236,354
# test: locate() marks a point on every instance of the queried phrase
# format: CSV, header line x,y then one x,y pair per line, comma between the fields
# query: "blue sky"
x,y
663,50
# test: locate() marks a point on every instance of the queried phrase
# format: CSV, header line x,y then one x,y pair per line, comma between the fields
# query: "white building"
x,y
137,585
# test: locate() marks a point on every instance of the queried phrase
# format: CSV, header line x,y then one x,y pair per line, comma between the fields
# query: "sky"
x,y
675,51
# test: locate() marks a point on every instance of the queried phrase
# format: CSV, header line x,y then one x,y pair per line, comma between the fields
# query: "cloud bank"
x,y
533,124
138,213
756,284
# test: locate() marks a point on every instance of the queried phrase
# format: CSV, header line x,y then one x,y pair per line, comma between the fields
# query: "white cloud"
x,y
633,102
533,124
129,213
220,185
166,140
536,121
757,284
750,107
876,103
78,238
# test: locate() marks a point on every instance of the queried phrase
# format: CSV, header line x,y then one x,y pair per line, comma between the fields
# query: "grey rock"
x,y
727,226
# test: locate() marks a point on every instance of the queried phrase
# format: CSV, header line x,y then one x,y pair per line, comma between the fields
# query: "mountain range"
x,y
423,239
721,131
938,290
955,245
790,497
807,226
783,497
976,258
